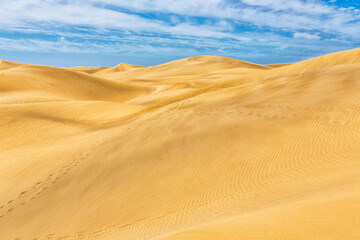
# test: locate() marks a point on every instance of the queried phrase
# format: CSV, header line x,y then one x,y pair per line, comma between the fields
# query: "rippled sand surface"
x,y
206,148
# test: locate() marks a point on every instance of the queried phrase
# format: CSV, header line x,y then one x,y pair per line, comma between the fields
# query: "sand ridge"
x,y
200,148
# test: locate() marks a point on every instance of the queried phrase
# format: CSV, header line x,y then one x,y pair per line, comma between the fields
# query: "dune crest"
x,y
199,148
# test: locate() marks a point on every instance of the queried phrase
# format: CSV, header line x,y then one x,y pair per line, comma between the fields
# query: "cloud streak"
x,y
290,14
203,26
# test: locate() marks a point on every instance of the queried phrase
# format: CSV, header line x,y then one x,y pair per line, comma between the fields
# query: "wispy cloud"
x,y
291,14
297,6
306,35
202,26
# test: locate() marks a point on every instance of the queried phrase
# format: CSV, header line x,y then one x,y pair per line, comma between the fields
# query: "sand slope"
x,y
199,148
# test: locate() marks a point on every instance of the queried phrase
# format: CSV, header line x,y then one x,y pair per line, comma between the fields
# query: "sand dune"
x,y
200,148
90,70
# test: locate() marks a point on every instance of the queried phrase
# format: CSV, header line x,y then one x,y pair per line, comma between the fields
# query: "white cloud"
x,y
298,6
130,29
280,14
306,35
21,13
45,15
66,46
289,14
212,8
60,45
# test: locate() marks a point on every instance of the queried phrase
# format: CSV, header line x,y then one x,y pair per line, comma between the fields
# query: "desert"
x,y
203,148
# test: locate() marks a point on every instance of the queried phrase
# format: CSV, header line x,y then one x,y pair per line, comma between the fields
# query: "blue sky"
x,y
69,33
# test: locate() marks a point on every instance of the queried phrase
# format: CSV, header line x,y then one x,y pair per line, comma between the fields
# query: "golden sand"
x,y
206,148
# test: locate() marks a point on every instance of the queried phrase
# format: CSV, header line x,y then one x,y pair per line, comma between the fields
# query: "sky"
x,y
68,33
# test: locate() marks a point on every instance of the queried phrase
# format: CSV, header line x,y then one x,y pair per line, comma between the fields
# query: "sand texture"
x,y
206,148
